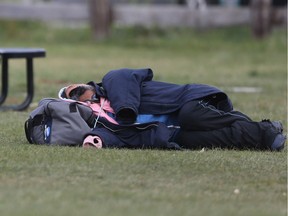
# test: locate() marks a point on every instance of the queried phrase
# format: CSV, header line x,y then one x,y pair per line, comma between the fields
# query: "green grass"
x,y
40,180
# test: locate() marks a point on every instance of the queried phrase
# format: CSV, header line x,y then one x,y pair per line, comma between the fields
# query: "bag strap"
x,y
27,126
72,107
83,111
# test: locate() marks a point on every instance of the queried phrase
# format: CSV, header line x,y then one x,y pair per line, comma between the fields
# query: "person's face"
x,y
80,92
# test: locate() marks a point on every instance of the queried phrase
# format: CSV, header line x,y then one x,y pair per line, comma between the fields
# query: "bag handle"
x,y
27,127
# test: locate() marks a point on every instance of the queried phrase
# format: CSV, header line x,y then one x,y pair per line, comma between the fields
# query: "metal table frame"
x,y
13,53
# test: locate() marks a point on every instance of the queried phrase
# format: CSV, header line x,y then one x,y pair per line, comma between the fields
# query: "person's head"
x,y
78,92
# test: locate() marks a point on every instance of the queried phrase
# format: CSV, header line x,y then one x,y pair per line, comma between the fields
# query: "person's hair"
x,y
78,91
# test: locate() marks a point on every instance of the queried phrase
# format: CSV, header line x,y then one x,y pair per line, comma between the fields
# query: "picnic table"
x,y
16,53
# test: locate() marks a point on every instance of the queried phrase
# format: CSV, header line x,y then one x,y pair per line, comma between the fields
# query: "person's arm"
x,y
123,89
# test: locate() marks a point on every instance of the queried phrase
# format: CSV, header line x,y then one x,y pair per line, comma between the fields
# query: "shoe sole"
x,y
278,143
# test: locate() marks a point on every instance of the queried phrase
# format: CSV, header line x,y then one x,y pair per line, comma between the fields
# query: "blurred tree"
x,y
100,14
260,17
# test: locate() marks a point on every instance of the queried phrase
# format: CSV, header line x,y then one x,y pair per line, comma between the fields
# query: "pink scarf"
x,y
101,109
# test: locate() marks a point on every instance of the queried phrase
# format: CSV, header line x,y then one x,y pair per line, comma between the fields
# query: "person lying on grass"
x,y
195,115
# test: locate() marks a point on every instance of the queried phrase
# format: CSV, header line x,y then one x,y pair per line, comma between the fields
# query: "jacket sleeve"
x,y
123,90
142,136
109,139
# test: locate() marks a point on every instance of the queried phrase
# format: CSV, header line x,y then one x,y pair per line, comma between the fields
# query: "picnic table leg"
x,y
4,90
30,86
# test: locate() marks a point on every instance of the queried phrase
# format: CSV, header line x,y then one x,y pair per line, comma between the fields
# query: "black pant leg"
x,y
197,115
240,135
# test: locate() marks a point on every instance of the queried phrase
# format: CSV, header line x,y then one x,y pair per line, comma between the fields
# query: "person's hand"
x,y
92,141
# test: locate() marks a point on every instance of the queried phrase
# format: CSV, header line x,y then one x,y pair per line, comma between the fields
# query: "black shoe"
x,y
276,124
274,139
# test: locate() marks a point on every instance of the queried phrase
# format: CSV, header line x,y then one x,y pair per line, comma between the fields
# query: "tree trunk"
x,y
100,14
260,17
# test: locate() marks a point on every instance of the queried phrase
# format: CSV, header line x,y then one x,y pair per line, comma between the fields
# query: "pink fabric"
x,y
96,107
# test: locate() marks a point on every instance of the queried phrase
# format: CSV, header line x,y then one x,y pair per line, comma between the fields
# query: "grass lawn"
x,y
41,180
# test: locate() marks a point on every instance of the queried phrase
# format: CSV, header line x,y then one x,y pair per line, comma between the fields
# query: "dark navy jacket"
x,y
153,135
132,92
